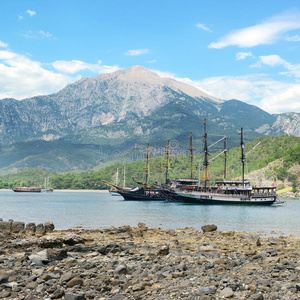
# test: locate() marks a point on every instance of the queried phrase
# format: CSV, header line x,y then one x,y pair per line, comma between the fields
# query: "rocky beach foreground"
x,y
39,262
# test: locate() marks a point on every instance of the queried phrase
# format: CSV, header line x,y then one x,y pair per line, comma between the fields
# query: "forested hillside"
x,y
278,157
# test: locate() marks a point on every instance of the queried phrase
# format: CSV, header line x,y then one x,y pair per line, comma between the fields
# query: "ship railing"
x,y
263,194
218,195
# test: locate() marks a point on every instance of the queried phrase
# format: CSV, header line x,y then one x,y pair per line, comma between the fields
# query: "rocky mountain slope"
x,y
90,102
88,122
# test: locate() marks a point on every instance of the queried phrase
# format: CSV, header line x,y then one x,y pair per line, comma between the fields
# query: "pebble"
x,y
145,263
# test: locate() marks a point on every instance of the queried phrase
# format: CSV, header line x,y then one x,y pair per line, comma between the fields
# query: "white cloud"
x,y
201,26
45,34
270,95
294,38
75,66
20,17
22,77
3,45
275,61
37,34
152,61
243,55
137,52
267,32
31,12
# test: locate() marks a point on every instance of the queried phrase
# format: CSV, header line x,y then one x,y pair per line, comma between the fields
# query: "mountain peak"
x,y
138,74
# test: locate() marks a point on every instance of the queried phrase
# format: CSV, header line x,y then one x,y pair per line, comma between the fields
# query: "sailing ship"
x,y
225,191
24,189
46,185
145,192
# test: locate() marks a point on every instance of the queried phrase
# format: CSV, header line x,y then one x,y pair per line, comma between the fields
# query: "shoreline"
x,y
149,263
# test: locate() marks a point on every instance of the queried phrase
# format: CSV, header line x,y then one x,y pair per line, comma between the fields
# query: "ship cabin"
x,y
264,191
234,188
191,185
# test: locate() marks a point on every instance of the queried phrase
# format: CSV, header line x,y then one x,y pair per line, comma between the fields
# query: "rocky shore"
x,y
39,262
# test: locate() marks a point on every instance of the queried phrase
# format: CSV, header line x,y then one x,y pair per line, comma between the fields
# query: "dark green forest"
x,y
267,150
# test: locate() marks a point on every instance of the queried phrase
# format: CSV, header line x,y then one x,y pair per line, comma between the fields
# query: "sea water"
x,y
101,210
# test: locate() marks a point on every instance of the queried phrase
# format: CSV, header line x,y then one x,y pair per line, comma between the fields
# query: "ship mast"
x,y
147,169
191,149
124,178
205,162
243,156
167,154
225,157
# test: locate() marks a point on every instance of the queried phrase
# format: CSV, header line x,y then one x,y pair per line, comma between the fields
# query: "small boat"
x,y
23,189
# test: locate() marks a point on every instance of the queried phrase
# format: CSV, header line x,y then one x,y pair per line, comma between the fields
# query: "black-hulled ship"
x,y
228,192
144,192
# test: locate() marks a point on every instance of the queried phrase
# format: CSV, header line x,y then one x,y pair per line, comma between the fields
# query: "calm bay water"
x,y
101,210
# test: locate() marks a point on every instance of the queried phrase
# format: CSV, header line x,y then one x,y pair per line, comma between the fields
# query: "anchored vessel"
x,y
145,192
23,189
225,191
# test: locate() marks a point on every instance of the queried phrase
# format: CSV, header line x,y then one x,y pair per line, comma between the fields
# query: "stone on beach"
x,y
209,228
147,263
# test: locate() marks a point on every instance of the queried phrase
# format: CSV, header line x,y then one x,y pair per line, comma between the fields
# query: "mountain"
x,y
90,102
113,116
287,123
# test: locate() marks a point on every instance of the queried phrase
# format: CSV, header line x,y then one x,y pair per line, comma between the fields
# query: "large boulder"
x,y
209,228
5,226
49,226
30,228
17,227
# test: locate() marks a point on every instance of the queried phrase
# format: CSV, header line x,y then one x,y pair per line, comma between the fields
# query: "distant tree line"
x,y
284,147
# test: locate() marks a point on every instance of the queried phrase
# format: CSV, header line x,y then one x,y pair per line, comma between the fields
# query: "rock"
x,y
31,285
50,242
5,226
257,297
40,229
74,281
30,228
209,228
66,276
39,258
207,290
73,239
17,227
110,248
226,293
57,254
258,242
3,276
49,226
72,296
142,226
121,269
163,250
138,287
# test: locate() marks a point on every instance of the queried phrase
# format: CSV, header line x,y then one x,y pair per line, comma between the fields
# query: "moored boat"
x,y
24,189
228,192
144,192
232,192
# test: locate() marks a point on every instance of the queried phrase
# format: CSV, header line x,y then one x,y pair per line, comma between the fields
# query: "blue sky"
x,y
246,50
